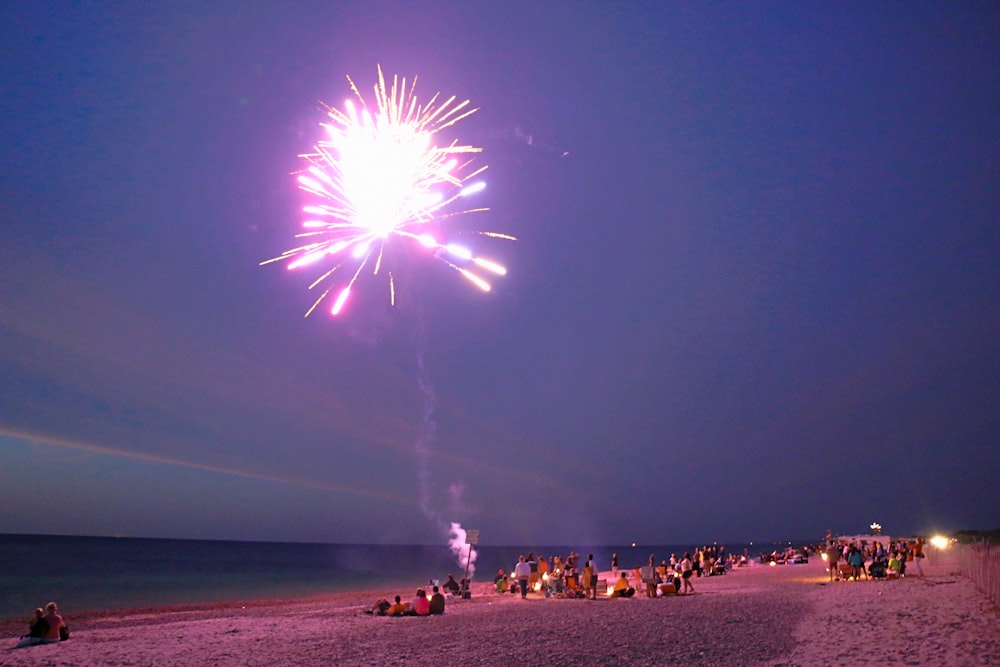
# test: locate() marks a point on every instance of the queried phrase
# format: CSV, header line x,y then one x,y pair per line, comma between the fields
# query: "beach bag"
x,y
64,633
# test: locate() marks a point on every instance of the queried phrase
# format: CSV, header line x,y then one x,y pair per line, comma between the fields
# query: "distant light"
x,y
940,542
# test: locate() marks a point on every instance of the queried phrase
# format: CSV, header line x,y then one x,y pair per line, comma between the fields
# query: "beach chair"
x,y
844,570
649,578
877,570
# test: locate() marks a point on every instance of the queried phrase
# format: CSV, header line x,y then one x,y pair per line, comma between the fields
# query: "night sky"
x,y
755,295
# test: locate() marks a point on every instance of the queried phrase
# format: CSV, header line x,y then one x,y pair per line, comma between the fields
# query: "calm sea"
x,y
94,573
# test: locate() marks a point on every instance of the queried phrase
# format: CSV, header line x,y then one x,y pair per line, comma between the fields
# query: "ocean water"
x,y
95,573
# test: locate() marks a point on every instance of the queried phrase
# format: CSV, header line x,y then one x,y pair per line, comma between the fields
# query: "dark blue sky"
x,y
758,298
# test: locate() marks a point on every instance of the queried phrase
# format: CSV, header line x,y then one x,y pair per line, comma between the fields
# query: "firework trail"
x,y
428,427
465,553
380,181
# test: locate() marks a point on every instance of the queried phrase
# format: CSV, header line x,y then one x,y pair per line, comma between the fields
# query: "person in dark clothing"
x,y
37,630
437,602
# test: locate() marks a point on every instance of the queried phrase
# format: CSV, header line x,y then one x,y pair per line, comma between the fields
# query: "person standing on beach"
x,y
614,565
856,559
523,573
918,556
590,578
832,560
687,568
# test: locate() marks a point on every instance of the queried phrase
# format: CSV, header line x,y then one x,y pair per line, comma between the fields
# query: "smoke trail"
x,y
428,427
465,553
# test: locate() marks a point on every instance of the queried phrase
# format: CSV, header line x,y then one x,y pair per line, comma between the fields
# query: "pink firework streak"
x,y
379,174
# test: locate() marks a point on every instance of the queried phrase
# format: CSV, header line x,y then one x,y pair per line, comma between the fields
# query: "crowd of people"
x,y
849,561
46,627
423,604
577,578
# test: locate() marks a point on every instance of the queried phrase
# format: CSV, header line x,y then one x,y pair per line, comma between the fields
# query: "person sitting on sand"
x,y
379,607
37,630
437,601
451,586
894,566
420,606
397,608
622,588
55,622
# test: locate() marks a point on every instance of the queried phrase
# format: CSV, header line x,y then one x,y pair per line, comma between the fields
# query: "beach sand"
x,y
777,616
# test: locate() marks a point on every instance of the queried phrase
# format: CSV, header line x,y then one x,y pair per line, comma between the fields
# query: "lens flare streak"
x,y
379,178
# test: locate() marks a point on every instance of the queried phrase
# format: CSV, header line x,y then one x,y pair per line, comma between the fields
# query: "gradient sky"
x,y
756,293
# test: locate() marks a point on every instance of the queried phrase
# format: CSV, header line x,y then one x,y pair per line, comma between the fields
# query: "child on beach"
x,y
894,566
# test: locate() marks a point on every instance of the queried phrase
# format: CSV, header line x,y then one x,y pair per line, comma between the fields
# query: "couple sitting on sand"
x,y
46,627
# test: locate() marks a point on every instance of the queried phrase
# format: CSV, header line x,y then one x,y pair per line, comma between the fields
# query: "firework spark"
x,y
380,178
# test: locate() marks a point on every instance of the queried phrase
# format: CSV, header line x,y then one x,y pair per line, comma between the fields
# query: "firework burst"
x,y
380,176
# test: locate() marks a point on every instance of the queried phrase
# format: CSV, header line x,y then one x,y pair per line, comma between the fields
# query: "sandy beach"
x,y
777,616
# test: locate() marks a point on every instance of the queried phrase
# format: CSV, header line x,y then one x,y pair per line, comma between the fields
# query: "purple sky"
x,y
759,298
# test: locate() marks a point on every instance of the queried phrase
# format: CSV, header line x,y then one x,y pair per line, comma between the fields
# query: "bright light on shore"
x,y
940,542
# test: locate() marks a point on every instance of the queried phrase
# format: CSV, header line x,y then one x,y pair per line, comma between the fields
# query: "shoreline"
x,y
777,616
